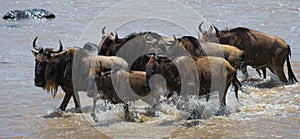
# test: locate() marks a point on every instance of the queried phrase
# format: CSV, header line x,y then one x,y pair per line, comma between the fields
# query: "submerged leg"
x,y
77,102
221,110
127,114
93,113
264,70
65,101
258,71
245,72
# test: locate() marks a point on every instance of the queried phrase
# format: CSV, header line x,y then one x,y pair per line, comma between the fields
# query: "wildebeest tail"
x,y
237,85
292,77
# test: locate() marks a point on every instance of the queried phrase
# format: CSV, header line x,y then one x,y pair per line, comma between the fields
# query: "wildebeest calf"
x,y
212,74
121,86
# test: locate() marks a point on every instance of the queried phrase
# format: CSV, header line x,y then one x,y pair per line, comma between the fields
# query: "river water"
x,y
264,113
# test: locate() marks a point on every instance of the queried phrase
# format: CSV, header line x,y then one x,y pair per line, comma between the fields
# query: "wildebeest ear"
x,y
34,53
199,36
56,55
150,55
210,29
116,37
41,50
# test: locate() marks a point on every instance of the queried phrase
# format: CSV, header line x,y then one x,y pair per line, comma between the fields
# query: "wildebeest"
x,y
186,43
132,47
68,69
141,44
232,54
213,74
261,50
112,87
28,13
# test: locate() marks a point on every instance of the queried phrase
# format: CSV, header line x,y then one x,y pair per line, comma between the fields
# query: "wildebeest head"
x,y
42,59
154,65
223,36
162,65
192,45
236,36
208,36
108,41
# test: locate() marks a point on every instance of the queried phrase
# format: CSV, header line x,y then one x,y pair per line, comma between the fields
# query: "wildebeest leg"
x,y
222,94
91,87
77,101
222,100
65,101
127,114
93,113
278,68
257,70
170,94
264,70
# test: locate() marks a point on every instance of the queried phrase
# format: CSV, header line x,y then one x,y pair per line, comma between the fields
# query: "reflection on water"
x,y
266,112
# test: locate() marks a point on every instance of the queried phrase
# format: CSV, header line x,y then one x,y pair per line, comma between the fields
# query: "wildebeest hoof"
x,y
94,117
54,114
78,111
219,114
129,118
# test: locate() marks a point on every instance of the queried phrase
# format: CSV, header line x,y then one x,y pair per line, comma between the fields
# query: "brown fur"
x,y
135,43
261,49
215,74
119,93
232,54
61,67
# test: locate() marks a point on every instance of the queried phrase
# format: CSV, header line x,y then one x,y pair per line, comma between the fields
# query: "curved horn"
x,y
59,50
217,31
116,36
173,42
103,30
199,27
34,45
149,41
161,56
60,47
174,37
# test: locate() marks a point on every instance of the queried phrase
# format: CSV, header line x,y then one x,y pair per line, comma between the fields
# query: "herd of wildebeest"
x,y
215,58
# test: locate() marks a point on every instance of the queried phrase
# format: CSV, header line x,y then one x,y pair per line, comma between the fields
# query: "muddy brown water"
x,y
266,112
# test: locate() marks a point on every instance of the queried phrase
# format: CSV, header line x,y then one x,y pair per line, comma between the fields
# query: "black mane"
x,y
195,43
242,32
134,34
